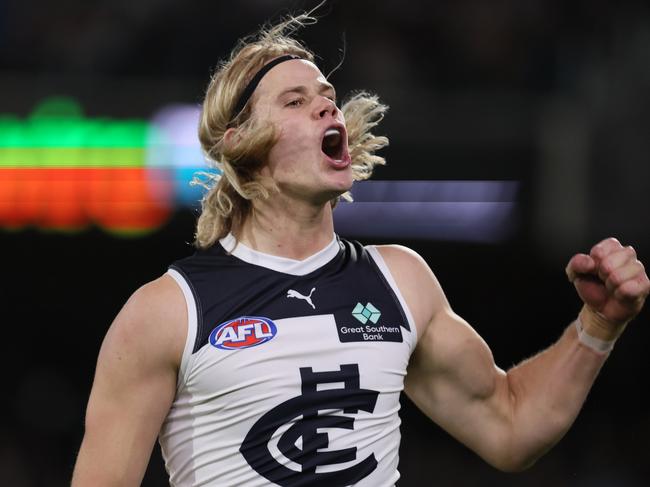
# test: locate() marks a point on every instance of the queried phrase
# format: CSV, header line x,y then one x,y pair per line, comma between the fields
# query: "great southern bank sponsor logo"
x,y
243,332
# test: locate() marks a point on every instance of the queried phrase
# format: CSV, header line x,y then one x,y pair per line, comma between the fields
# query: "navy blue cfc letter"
x,y
302,413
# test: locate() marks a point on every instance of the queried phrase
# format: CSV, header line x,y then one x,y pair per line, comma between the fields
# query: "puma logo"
x,y
291,293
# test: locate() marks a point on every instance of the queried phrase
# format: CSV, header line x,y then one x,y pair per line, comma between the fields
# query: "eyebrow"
x,y
302,89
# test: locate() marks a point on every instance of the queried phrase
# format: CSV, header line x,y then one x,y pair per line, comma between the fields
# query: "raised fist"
x,y
610,280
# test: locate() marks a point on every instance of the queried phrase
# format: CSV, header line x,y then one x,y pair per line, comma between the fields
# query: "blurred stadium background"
x,y
520,134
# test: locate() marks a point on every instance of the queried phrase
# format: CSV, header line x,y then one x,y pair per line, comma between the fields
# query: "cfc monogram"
x,y
302,414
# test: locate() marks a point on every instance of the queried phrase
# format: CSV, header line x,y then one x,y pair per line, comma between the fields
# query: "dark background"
x,y
553,94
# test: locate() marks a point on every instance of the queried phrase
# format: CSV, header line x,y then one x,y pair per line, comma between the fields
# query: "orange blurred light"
x,y
121,200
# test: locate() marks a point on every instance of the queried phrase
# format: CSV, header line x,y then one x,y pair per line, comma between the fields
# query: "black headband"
x,y
252,84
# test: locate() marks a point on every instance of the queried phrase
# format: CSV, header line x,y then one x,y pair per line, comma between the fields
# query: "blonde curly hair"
x,y
228,199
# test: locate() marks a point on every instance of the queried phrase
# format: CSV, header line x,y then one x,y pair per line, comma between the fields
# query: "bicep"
x,y
452,376
453,379
134,386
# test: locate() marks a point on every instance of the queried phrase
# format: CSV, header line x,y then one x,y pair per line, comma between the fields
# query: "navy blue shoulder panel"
x,y
226,288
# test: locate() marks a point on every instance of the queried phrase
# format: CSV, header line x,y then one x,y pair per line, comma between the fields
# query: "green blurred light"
x,y
71,157
56,134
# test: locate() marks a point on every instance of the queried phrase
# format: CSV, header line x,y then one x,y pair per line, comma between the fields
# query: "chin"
x,y
342,177
342,185
333,192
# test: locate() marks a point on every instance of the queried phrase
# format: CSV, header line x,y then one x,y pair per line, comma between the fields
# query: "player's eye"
x,y
296,102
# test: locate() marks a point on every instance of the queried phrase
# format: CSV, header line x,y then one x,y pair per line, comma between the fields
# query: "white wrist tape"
x,y
596,344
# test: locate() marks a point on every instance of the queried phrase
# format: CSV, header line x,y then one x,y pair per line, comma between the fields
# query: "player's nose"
x,y
324,107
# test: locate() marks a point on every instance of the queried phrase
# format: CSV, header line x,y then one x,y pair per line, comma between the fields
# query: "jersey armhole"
x,y
381,264
192,321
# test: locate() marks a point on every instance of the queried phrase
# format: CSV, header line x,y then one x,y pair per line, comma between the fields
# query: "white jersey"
x,y
292,370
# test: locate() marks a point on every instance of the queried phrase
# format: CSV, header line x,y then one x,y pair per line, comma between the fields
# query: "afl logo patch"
x,y
243,332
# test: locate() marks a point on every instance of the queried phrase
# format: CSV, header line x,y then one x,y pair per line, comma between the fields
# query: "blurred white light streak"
x,y
474,211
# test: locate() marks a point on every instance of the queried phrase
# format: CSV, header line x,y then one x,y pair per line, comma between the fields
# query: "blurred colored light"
x,y
61,171
173,143
470,211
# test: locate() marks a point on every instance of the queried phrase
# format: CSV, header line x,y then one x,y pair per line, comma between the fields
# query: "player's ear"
x,y
232,137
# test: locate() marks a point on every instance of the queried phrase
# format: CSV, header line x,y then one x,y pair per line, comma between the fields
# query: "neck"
x,y
291,229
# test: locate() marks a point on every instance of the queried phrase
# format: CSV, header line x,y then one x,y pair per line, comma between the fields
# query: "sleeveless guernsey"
x,y
292,370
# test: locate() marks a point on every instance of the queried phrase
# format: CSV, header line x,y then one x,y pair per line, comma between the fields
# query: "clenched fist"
x,y
612,283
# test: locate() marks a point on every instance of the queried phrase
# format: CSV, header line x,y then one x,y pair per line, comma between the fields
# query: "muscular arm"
x,y
134,386
509,418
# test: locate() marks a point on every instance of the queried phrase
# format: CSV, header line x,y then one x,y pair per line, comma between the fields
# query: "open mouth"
x,y
332,144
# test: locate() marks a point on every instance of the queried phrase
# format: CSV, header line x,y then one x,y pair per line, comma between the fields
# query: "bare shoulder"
x,y
416,281
409,269
159,299
400,254
153,321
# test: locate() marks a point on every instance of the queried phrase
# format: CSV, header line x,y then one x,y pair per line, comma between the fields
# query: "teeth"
x,y
332,132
